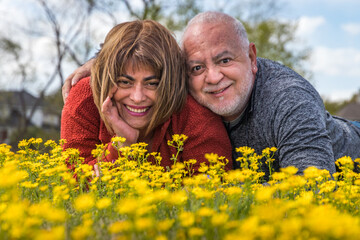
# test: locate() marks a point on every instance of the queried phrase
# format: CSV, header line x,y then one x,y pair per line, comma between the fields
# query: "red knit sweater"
x,y
83,128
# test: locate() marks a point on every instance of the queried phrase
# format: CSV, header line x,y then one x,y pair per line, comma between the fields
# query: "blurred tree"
x,y
273,38
333,107
22,67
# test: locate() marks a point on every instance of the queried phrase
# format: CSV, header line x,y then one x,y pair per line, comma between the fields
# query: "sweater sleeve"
x,y
300,129
81,123
206,134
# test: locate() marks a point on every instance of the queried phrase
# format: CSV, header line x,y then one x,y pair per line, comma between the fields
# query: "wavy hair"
x,y
143,43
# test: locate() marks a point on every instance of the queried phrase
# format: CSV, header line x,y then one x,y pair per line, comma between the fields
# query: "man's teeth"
x,y
137,110
218,91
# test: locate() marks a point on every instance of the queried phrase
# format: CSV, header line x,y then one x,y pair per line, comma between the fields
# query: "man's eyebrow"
x,y
191,62
220,55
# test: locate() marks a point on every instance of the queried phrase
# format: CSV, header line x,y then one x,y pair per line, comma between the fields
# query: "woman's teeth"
x,y
137,110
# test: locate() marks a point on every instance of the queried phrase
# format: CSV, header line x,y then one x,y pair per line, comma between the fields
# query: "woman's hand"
x,y
118,125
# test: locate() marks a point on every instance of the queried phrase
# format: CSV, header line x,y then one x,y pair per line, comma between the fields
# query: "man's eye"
x,y
225,60
196,68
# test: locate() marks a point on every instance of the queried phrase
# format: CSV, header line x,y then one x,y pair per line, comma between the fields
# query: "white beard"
x,y
233,106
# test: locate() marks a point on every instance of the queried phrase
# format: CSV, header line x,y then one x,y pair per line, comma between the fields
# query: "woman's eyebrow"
x,y
133,79
150,78
127,76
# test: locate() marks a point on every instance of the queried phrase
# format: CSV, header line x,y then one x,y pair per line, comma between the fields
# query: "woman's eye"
x,y
152,84
124,83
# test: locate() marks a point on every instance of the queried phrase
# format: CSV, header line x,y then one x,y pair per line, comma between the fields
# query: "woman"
x,y
139,91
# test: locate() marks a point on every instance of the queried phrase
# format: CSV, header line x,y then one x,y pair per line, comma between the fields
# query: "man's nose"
x,y
214,75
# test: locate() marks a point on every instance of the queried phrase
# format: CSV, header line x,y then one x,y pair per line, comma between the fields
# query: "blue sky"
x,y
331,28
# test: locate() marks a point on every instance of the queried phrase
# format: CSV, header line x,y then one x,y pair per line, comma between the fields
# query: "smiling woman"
x,y
138,91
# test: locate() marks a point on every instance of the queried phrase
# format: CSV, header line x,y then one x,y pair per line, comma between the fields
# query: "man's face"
x,y
221,73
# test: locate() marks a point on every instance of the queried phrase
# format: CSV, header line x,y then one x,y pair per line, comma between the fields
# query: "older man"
x,y
263,103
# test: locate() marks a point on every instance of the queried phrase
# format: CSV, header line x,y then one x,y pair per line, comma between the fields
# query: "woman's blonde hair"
x,y
142,43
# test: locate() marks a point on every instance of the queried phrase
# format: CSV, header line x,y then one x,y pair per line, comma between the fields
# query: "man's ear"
x,y
252,56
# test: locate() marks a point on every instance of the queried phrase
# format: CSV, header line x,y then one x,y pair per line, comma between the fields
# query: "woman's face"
x,y
136,95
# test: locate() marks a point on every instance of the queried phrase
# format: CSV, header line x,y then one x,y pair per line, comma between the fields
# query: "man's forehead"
x,y
208,32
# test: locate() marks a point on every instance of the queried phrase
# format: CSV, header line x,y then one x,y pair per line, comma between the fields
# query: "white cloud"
x,y
340,95
351,28
340,61
308,25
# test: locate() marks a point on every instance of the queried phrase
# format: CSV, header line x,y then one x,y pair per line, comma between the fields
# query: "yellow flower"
x,y
54,233
106,178
345,163
264,194
46,211
11,176
50,143
127,206
311,172
165,225
100,151
203,167
118,139
187,219
103,203
223,207
23,144
327,187
84,202
121,226
205,212
29,184
245,150
219,219
81,232
177,198
38,141
202,193
15,212
233,191
212,157
249,226
143,224
196,232
161,237
291,170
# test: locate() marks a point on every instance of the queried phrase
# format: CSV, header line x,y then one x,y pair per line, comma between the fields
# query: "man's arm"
x,y
300,129
72,79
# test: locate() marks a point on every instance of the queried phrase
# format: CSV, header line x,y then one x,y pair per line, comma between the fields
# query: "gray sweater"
x,y
286,112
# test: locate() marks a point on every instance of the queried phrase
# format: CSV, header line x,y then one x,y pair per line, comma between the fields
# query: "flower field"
x,y
135,199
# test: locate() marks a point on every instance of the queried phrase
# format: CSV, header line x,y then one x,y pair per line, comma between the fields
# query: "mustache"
x,y
217,87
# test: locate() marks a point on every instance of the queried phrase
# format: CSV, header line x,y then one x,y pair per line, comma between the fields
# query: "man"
x,y
263,103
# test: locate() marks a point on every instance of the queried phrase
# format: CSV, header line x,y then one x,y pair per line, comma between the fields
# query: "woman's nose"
x,y
137,94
